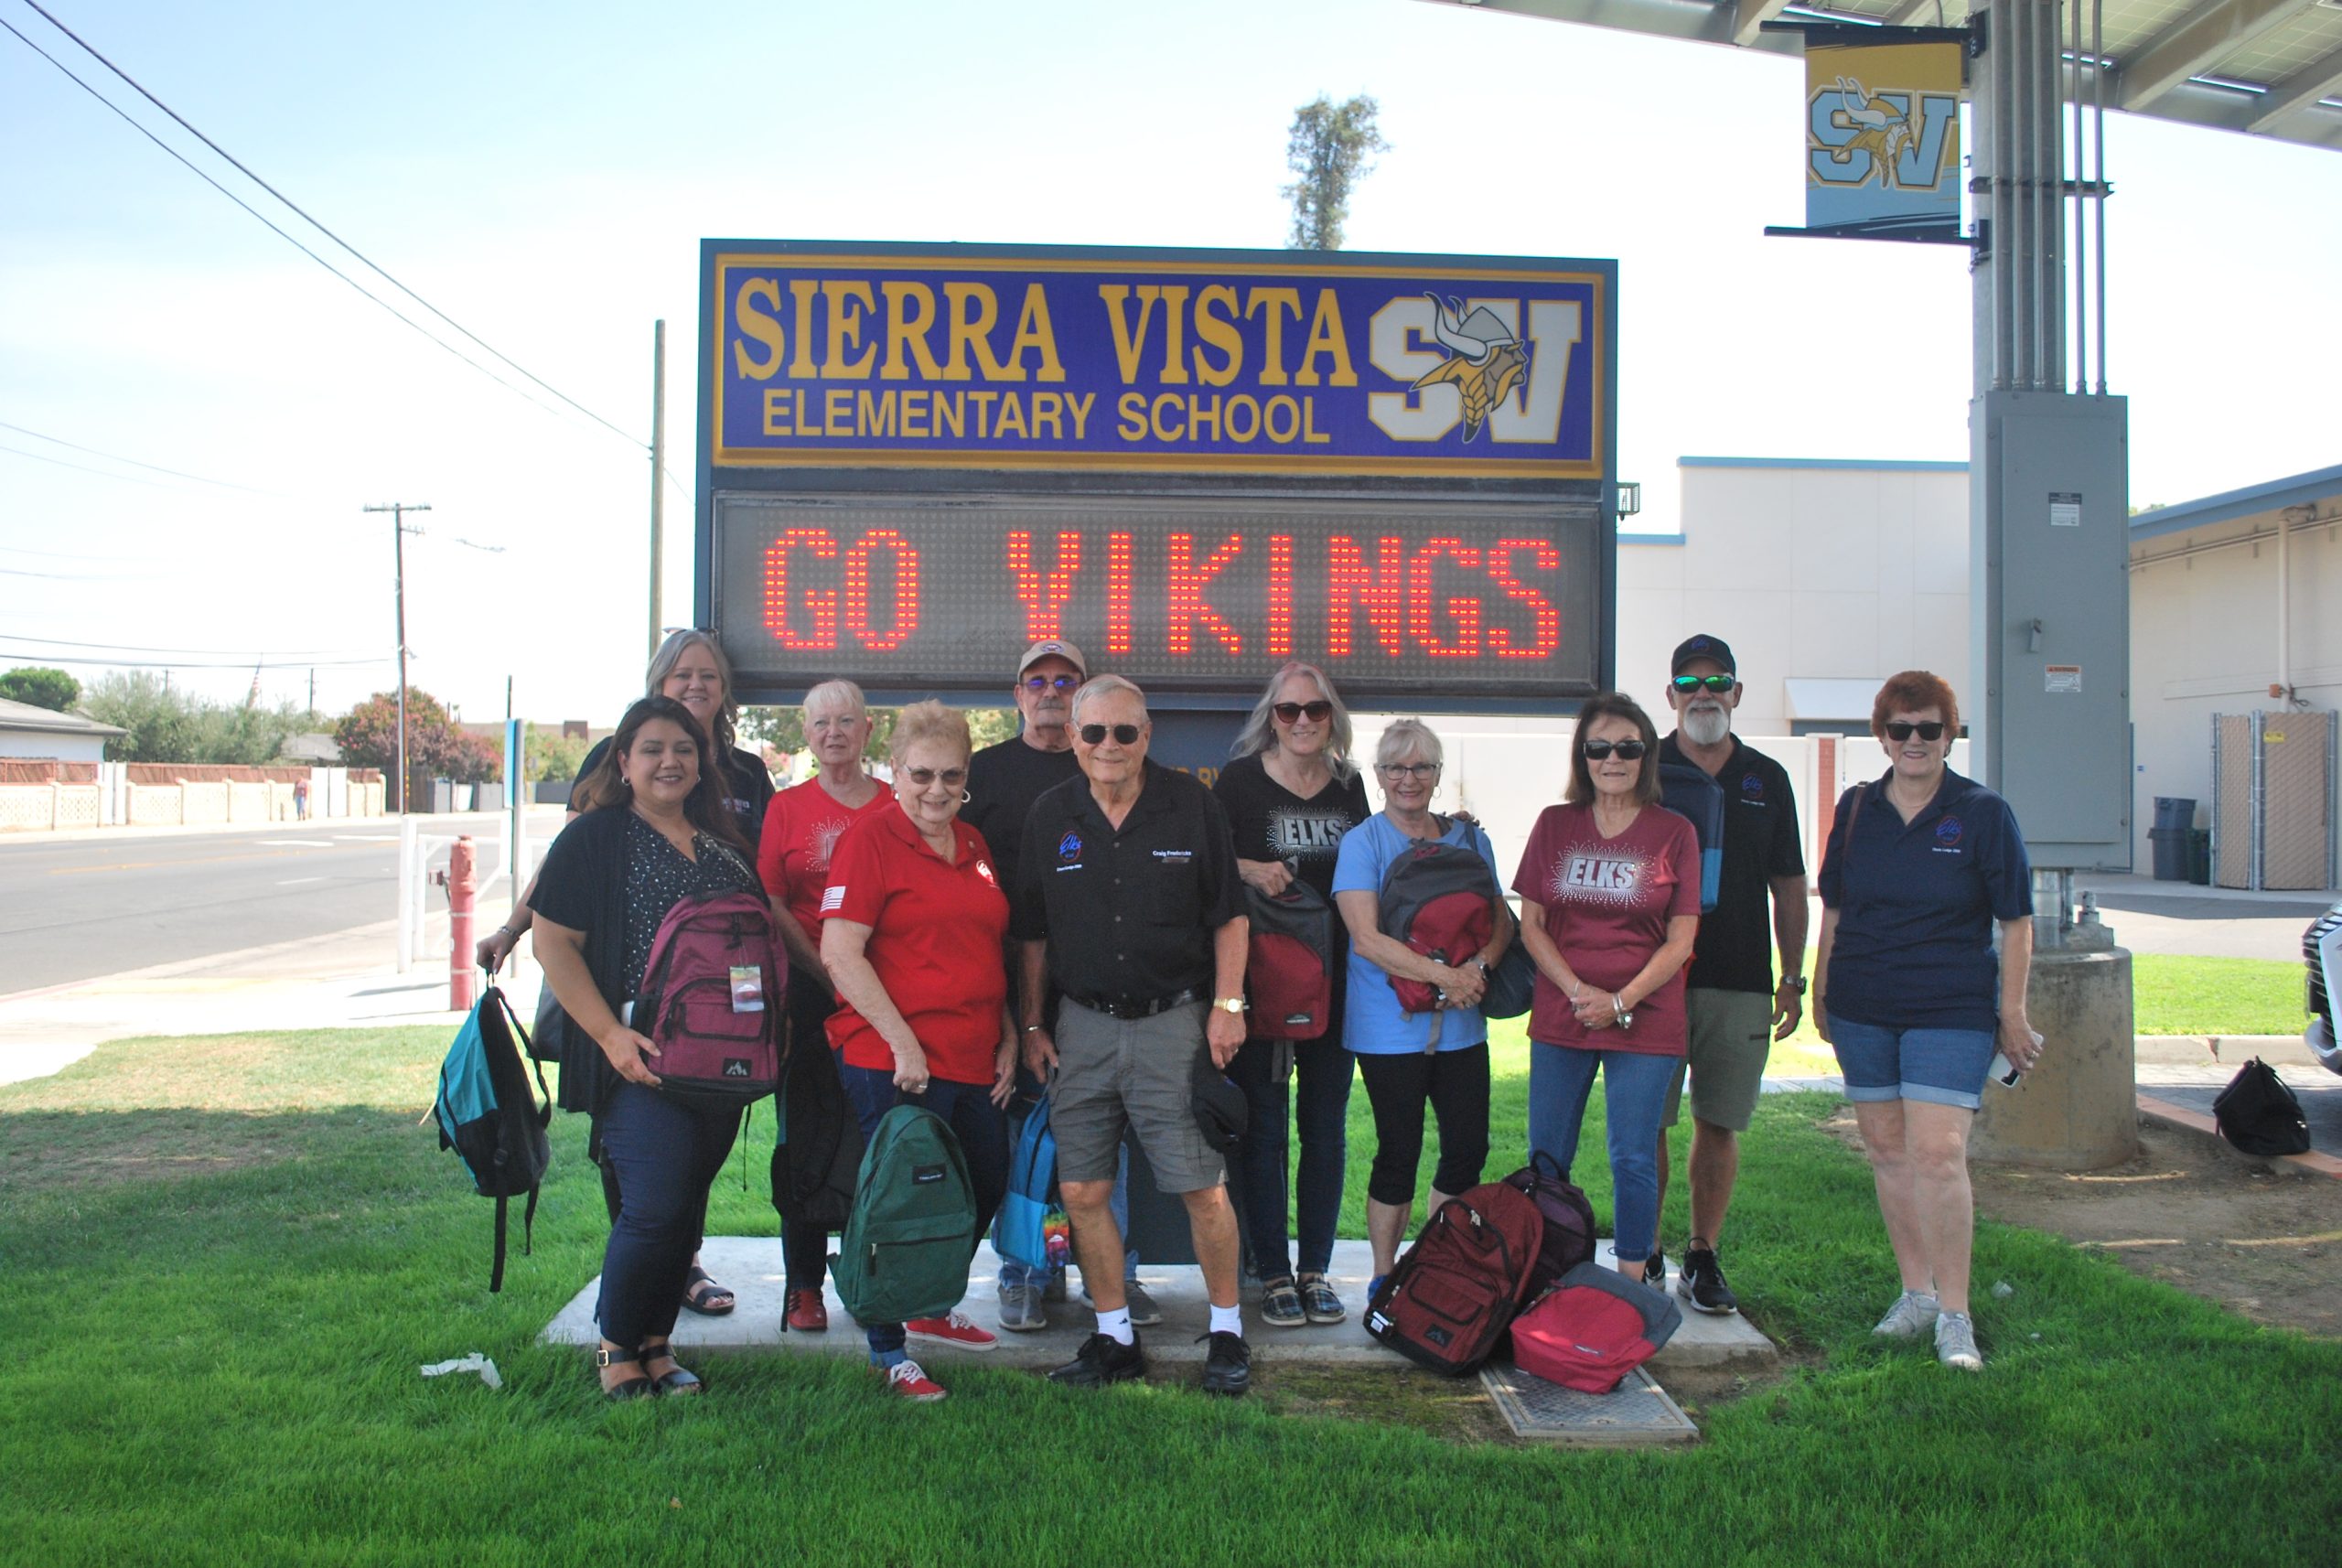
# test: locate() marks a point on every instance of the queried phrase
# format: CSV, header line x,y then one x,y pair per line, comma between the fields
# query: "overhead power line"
x,y
83,468
117,457
197,664
210,652
371,265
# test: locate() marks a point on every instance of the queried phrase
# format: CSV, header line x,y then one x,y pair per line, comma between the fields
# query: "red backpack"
x,y
1437,899
1569,1221
1447,1303
1289,970
1589,1331
711,1000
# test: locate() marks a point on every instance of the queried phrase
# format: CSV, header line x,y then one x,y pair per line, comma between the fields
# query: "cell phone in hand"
x,y
2005,1072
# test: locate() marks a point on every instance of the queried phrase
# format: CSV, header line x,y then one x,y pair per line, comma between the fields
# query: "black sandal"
x,y
704,1295
635,1388
679,1382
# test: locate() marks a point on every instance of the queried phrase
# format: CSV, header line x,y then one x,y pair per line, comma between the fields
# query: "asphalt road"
x,y
77,908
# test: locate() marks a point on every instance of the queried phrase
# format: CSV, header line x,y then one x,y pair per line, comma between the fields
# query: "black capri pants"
x,y
1454,1084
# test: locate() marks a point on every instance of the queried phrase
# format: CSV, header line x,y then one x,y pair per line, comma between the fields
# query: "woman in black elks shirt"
x,y
652,829
1291,791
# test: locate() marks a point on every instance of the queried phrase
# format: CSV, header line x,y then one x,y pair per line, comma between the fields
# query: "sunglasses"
x,y
1687,684
1294,712
1408,769
1900,729
1628,750
922,777
1125,735
1051,682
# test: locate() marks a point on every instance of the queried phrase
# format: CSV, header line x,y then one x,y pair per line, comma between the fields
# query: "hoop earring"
x,y
965,797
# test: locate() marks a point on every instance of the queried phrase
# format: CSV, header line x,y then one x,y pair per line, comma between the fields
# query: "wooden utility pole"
x,y
399,531
658,469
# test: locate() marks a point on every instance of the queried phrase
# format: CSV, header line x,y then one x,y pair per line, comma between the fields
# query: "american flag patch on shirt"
x,y
834,899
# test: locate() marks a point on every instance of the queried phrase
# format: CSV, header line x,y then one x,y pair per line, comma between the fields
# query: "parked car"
x,y
2322,952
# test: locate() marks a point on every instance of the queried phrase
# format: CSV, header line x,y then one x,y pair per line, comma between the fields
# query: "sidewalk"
x,y
431,823
348,979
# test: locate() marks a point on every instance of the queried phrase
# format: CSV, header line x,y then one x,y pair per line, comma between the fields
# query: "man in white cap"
x,y
1003,781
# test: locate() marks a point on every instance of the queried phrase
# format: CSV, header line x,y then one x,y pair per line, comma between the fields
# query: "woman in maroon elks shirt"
x,y
1609,893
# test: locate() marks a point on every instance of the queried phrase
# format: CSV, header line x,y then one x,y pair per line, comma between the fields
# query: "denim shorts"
x,y
1943,1067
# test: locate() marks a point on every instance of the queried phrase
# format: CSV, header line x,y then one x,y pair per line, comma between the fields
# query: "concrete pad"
x,y
1637,1411
1706,1341
751,1266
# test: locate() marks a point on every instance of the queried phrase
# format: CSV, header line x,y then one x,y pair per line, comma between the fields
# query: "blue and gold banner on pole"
x,y
841,355
1882,133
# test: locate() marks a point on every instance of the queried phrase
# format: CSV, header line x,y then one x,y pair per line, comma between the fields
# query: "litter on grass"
x,y
2003,1289
475,1362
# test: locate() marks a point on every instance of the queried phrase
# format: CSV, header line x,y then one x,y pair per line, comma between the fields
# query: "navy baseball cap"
x,y
1702,646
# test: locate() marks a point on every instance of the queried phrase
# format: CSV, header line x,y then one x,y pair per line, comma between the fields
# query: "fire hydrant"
x,y
459,881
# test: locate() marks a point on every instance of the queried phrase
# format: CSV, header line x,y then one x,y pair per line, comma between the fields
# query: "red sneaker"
x,y
955,1330
907,1380
804,1312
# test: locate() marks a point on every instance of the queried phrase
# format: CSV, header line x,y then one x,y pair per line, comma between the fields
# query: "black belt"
x,y
1127,1007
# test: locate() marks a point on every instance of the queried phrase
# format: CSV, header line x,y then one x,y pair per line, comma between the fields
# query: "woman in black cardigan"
x,y
653,828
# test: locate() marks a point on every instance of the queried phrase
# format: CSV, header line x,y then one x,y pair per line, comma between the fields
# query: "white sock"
x,y
1227,1320
1117,1325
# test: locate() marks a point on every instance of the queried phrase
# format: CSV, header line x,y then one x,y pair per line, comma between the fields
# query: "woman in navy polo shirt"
x,y
1921,863
911,931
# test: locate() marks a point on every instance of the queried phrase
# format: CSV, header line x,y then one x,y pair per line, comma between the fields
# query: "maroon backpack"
x,y
1569,1221
1289,970
1589,1331
1448,1301
711,1000
1437,899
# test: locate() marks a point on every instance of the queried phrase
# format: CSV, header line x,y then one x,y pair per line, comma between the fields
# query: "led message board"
x,y
1194,463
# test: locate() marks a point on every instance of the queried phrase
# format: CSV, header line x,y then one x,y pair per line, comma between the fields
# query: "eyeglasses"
x,y
1125,735
1407,769
952,777
1687,684
1051,682
1628,750
1900,729
1294,712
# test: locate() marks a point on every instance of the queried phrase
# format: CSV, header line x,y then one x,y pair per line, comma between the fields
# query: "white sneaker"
x,y
1913,1312
1956,1342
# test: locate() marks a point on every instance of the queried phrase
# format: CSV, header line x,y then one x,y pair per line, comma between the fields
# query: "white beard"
x,y
1707,726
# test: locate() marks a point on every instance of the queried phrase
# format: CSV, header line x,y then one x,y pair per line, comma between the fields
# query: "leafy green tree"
x,y
42,687
1330,147
168,726
369,733
552,755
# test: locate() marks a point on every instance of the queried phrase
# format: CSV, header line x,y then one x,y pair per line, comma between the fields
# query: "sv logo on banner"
x,y
1883,141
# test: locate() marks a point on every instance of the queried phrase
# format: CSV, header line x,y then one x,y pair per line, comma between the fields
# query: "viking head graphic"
x,y
1485,358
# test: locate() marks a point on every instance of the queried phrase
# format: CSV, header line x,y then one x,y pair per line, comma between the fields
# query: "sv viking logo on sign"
x,y
1892,139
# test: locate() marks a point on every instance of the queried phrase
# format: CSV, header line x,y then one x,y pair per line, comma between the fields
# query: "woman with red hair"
x,y
1921,864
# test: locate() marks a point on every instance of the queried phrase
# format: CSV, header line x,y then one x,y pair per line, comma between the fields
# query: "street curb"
x,y
2180,1118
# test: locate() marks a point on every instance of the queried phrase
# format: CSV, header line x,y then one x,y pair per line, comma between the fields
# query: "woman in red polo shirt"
x,y
911,931
801,829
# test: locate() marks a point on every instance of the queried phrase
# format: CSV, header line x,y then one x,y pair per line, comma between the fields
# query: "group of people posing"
x,y
1058,917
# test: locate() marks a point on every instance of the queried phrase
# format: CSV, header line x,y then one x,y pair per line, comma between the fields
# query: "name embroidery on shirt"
x,y
1180,855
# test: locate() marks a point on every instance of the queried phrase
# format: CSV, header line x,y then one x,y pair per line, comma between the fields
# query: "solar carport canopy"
x,y
2267,68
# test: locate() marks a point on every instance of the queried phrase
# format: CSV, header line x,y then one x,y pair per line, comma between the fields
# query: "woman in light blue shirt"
x,y
1411,1060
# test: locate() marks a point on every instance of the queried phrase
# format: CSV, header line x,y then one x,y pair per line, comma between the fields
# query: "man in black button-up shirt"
x,y
1127,896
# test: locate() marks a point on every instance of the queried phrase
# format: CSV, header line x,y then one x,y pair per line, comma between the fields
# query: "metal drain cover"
x,y
1637,1411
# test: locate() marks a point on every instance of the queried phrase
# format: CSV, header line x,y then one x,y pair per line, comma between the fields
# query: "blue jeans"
x,y
975,1120
1320,1096
1633,1092
661,1157
1015,1275
1942,1066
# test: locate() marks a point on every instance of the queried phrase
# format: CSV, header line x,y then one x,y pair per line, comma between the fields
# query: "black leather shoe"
x,y
1103,1360
1227,1365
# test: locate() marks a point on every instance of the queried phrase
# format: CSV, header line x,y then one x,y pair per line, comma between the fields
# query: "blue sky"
x,y
544,175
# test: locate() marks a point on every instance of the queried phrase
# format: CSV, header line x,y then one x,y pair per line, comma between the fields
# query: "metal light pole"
x,y
657,471
398,511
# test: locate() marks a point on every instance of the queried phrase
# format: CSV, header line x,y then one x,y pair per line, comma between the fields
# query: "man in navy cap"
x,y
1736,1010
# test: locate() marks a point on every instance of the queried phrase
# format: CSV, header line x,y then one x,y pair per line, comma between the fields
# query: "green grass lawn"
x,y
223,1260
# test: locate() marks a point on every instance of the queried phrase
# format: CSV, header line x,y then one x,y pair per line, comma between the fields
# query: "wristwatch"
x,y
1795,982
1230,1003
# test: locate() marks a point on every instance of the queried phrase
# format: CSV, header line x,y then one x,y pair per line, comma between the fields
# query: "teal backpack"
x,y
912,1233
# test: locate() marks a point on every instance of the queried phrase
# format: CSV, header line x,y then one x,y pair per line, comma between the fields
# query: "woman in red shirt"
x,y
801,828
1609,893
912,925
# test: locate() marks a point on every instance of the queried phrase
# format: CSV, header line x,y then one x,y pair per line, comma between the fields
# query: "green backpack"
x,y
912,1234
